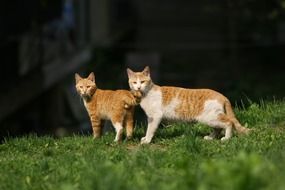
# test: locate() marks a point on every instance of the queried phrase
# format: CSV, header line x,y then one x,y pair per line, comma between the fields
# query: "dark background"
x,y
236,48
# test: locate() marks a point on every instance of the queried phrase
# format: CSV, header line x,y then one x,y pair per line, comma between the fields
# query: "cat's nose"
x,y
139,88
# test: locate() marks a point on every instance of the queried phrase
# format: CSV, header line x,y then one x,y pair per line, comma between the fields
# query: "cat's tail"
x,y
239,128
133,99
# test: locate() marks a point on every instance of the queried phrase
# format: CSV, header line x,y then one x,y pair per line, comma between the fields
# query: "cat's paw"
x,y
208,137
128,138
138,95
95,137
118,140
144,140
224,138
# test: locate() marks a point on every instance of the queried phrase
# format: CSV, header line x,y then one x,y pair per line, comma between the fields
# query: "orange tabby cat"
x,y
202,105
117,106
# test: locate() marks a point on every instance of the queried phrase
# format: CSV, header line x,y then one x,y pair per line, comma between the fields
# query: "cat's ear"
x,y
146,71
91,77
130,73
77,78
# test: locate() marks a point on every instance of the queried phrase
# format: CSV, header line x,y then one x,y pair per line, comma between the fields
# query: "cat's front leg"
x,y
96,127
153,123
119,132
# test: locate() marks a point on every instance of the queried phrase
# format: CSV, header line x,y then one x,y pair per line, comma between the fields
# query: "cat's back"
x,y
106,102
186,104
164,95
112,96
186,94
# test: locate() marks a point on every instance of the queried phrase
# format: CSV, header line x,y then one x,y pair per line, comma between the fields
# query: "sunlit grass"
x,y
178,158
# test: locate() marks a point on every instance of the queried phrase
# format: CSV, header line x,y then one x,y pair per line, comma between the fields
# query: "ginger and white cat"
x,y
202,105
117,106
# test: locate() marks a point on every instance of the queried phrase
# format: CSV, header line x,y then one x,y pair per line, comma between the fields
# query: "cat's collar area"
x,y
86,98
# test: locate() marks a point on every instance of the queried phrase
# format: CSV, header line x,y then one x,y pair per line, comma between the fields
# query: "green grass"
x,y
178,158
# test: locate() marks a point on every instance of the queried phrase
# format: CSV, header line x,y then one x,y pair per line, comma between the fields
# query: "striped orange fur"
x,y
117,106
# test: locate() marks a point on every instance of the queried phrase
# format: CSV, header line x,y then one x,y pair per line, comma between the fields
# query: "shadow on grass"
x,y
173,130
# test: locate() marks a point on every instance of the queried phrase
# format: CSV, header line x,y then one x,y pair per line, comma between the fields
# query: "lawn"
x,y
178,158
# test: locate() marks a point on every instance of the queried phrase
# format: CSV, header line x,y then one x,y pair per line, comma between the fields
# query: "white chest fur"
x,y
85,103
151,103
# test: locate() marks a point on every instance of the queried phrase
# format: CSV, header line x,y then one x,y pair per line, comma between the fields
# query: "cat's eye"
x,y
135,82
88,86
142,81
81,87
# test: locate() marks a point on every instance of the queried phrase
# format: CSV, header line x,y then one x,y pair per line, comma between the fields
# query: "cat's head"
x,y
85,87
140,81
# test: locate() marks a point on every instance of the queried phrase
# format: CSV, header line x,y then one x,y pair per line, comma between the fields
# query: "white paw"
x,y
144,140
224,139
208,137
117,140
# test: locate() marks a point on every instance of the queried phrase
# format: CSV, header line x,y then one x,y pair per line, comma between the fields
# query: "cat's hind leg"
x,y
119,131
218,122
117,121
227,124
129,123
